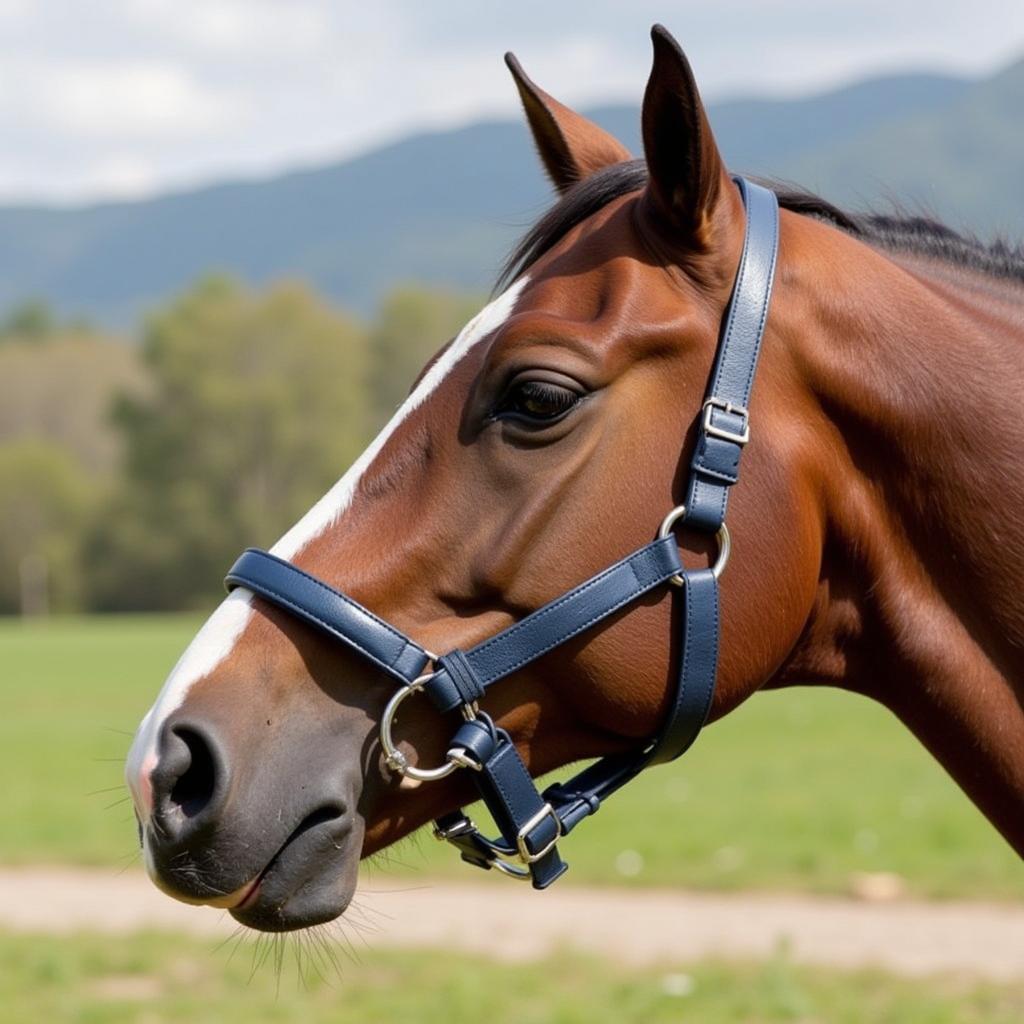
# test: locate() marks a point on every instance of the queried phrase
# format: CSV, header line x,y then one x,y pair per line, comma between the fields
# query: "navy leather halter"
x,y
531,823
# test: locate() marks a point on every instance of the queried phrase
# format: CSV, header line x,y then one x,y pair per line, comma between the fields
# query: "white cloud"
x,y
130,100
244,30
126,175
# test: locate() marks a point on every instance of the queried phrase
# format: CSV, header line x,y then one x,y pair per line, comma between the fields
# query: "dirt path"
x,y
641,927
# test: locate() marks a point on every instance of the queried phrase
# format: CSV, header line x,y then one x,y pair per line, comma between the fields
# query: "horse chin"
x,y
309,881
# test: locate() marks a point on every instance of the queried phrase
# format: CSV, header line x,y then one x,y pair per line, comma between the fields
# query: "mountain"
x,y
443,207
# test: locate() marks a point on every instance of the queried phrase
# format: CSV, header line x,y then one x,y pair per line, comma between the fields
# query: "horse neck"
x,y
917,370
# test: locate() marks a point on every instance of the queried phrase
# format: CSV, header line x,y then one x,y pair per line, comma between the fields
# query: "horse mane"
x,y
898,231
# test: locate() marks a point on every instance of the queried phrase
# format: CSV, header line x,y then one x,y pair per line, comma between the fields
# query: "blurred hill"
x,y
442,208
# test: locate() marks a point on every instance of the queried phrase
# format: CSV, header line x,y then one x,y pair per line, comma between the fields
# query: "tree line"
x,y
133,472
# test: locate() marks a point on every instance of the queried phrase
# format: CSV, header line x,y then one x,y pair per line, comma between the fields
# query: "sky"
x,y
122,98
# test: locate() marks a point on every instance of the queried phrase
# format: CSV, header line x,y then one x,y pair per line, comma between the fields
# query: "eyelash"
x,y
513,403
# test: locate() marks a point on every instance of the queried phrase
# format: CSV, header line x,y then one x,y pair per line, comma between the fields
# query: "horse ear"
x,y
686,170
570,146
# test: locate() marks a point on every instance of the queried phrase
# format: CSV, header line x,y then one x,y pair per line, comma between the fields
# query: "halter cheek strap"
x,y
725,417
531,823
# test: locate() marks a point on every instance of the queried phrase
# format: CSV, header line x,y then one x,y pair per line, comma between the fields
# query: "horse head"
x,y
545,442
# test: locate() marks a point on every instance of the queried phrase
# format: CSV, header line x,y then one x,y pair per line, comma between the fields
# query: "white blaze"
x,y
215,641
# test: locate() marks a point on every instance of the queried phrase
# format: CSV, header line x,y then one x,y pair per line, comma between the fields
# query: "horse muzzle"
x,y
277,845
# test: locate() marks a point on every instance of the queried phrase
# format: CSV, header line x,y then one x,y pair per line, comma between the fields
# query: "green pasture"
x,y
800,790
159,979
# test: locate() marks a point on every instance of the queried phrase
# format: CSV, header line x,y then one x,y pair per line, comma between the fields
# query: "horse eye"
x,y
536,401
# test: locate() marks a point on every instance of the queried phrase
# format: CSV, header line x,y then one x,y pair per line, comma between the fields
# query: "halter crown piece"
x,y
531,823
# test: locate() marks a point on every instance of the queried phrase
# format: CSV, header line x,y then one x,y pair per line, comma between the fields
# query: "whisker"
x,y
129,863
385,859
268,949
223,942
364,909
397,892
260,953
241,933
332,966
326,954
323,938
349,947
106,789
359,915
297,951
279,950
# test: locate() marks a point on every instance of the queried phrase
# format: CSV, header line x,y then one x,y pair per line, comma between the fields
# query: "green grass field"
x,y
798,790
160,978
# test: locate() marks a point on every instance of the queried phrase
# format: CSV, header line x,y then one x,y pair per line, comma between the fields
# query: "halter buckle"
x,y
547,811
740,437
487,854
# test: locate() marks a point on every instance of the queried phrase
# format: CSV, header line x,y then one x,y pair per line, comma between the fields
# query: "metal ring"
x,y
393,757
510,870
722,536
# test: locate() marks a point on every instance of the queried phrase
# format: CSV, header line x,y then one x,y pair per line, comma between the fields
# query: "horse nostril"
x,y
195,788
188,776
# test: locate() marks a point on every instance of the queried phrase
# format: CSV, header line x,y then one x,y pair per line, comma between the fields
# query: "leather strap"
x,y
724,424
555,623
520,812
695,686
698,666
581,796
466,685
329,610
528,825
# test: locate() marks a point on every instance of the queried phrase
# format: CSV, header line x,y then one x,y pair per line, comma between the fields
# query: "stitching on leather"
x,y
264,590
501,789
709,686
709,689
764,307
724,477
701,456
462,676
703,493
639,589
354,605
507,795
727,336
531,621
727,341
547,610
685,670
721,362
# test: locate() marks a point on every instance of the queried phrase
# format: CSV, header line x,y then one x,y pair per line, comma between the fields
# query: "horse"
x,y
877,536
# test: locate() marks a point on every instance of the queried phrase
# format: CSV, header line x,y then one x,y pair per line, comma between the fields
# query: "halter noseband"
x,y
531,823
